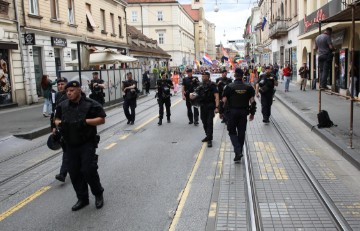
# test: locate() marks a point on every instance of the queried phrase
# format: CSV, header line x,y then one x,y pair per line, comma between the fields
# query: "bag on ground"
x,y
324,120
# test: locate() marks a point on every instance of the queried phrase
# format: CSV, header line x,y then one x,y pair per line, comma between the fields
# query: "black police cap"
x,y
206,73
189,70
224,71
53,142
95,73
72,84
62,80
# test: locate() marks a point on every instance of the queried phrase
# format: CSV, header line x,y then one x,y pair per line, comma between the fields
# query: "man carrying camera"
x,y
96,86
163,92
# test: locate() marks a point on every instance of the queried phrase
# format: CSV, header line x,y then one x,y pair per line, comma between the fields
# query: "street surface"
x,y
164,178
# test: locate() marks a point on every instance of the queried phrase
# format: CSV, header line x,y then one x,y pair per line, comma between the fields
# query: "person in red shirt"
x,y
287,75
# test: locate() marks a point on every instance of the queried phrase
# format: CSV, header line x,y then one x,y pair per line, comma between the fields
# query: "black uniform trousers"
x,y
147,87
64,169
167,103
237,120
192,116
98,98
132,105
207,115
266,102
83,170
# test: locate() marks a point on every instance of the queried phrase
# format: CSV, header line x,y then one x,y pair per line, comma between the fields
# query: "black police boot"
x,y
132,122
99,201
196,123
160,122
190,122
238,157
209,144
168,120
60,177
205,139
80,204
129,121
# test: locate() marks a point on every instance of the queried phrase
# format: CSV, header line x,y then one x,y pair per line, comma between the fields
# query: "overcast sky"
x,y
231,17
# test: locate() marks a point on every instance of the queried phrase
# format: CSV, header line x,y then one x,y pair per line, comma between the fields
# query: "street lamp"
x,y
216,8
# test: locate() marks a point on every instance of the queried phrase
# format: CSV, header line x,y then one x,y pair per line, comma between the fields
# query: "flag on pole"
x,y
263,24
207,59
225,53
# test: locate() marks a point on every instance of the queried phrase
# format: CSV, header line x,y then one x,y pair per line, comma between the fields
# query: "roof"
x,y
135,33
151,1
345,15
194,14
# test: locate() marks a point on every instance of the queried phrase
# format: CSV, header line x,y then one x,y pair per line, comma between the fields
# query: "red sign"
x,y
319,16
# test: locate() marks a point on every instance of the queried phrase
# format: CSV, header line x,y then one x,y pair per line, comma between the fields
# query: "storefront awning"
x,y
335,26
8,45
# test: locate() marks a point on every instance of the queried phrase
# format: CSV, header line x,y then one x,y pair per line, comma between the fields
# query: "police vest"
x,y
73,132
164,88
239,97
96,89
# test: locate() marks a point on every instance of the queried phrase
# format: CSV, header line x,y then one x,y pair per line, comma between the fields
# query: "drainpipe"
x,y
142,21
28,86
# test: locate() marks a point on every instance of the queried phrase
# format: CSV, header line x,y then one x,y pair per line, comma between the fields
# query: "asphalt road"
x,y
146,171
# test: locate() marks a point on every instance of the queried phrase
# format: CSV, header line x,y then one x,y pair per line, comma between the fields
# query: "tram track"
x,y
338,218
56,154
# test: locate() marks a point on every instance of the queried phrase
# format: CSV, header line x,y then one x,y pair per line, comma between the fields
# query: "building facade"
x,y
310,13
167,22
51,29
11,72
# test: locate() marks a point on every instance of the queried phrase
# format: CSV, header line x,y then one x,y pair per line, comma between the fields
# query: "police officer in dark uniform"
x,y
265,85
77,118
209,105
60,96
97,86
129,88
239,97
190,83
163,93
221,83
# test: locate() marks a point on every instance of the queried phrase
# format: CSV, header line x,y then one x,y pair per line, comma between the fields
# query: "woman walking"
x,y
46,85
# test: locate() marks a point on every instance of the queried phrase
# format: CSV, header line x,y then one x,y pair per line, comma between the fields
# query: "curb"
x,y
352,156
33,134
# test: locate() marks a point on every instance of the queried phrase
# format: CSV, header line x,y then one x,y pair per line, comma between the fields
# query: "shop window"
x,y
5,83
33,7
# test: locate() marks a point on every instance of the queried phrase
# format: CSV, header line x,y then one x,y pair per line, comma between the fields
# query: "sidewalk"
x,y
305,105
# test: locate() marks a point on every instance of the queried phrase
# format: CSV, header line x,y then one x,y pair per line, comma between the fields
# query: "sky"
x,y
229,20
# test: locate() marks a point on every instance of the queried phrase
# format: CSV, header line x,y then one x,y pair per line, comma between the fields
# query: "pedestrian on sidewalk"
x,y
60,96
356,82
146,82
46,85
265,86
304,74
324,48
239,97
281,74
78,117
287,76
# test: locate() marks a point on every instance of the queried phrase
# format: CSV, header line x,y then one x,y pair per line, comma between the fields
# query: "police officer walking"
x,y
190,83
209,105
130,95
221,83
265,86
239,97
163,92
97,86
78,117
60,96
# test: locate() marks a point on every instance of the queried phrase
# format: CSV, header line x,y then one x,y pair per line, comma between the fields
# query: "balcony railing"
x,y
278,29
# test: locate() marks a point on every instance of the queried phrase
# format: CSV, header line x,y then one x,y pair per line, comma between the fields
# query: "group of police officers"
x,y
75,118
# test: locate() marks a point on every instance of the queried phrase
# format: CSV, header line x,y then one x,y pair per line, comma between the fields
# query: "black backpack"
x,y
324,120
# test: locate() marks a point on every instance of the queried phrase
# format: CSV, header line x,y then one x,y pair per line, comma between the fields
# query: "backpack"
x,y
324,120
